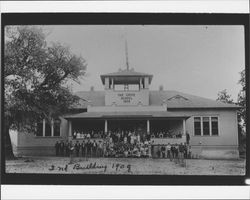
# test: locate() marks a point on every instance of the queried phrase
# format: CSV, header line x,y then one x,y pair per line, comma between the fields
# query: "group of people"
x,y
122,144
125,135
167,134
175,151
117,136
89,148
88,134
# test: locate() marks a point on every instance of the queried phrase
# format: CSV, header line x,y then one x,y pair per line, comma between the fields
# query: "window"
x,y
206,126
57,124
197,126
127,87
48,129
45,129
133,87
39,129
205,121
214,121
119,87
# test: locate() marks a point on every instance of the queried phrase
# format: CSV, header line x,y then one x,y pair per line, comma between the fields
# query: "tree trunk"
x,y
8,147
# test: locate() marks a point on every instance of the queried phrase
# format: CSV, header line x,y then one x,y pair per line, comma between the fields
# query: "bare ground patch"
x,y
124,166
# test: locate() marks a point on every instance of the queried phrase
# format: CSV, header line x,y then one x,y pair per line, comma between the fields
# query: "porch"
x,y
159,127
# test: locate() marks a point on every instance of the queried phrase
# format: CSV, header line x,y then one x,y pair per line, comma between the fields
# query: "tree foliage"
x,y
224,97
242,98
241,114
36,76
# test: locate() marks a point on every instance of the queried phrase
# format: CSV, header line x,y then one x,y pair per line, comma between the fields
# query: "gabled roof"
x,y
95,98
127,73
173,99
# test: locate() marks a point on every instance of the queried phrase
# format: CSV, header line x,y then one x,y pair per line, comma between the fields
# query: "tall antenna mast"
x,y
126,51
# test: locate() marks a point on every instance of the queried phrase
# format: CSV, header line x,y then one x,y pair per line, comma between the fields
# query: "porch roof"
x,y
134,114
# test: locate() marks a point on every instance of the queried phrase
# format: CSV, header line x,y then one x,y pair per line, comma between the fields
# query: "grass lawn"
x,y
124,166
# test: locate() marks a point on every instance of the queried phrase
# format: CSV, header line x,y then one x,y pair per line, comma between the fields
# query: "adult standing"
x,y
83,148
57,145
77,148
125,139
151,146
104,145
168,147
163,151
61,148
138,138
74,135
99,148
187,138
176,152
132,138
94,147
172,149
148,136
185,151
89,148
129,137
71,152
181,152
67,148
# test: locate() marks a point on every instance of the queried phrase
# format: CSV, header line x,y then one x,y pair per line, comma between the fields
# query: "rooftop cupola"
x,y
126,87
127,79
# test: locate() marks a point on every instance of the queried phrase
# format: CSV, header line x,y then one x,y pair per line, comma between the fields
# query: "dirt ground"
x,y
62,165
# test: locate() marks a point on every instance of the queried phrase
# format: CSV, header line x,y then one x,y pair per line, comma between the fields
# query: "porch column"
x,y
184,127
106,126
52,127
148,126
44,125
112,83
141,83
70,128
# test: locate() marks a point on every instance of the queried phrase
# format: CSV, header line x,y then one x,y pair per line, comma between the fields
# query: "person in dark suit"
x,y
66,148
83,147
187,138
100,149
163,151
61,148
71,151
172,149
94,148
89,148
77,148
57,145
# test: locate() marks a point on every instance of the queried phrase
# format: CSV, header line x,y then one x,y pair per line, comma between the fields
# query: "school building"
x,y
127,103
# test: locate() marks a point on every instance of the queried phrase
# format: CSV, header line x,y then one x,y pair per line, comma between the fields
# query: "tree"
x,y
242,112
224,97
36,77
242,98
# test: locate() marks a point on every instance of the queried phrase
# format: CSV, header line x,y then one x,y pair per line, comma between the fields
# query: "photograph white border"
x,y
126,192
167,6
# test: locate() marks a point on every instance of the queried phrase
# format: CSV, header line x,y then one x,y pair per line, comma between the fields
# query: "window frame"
x,y
210,125
201,127
217,126
52,130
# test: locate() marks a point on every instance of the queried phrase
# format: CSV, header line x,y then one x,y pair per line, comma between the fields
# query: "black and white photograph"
x,y
125,99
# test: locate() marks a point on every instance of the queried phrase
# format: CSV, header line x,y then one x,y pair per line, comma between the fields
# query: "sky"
x,y
194,59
